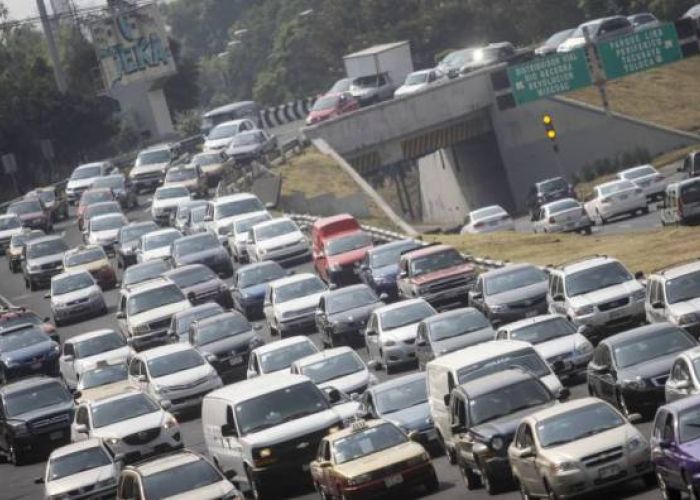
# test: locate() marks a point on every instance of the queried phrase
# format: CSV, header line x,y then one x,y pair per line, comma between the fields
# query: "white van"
x,y
447,372
266,428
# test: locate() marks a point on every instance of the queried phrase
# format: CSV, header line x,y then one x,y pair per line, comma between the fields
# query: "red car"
x,y
331,105
338,244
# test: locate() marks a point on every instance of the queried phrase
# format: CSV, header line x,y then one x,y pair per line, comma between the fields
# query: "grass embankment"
x,y
639,251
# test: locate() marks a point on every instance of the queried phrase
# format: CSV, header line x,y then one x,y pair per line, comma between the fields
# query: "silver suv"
x,y
598,293
673,294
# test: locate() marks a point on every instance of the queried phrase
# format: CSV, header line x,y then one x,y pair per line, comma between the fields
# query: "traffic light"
x,y
550,130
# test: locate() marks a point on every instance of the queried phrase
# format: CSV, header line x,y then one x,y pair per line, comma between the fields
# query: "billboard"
x,y
132,46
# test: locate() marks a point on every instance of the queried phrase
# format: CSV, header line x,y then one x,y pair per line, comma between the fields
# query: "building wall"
x,y
442,198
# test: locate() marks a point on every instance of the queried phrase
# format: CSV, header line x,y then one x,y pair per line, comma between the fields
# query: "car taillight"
x,y
479,224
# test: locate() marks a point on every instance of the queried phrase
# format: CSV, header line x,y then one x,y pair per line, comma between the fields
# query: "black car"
x,y
32,213
511,293
200,285
250,283
180,323
484,415
43,259
450,331
342,314
203,248
252,145
226,340
128,241
548,190
27,350
630,369
122,188
35,413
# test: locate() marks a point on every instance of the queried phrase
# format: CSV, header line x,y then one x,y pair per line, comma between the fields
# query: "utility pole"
x,y
596,70
58,74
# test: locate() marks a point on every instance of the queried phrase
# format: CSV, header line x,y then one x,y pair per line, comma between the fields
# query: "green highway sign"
x,y
549,75
639,51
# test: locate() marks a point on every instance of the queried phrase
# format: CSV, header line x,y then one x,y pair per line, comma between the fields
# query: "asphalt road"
x,y
18,482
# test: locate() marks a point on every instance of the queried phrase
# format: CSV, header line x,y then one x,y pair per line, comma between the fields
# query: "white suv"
x,y
144,311
222,211
673,294
598,293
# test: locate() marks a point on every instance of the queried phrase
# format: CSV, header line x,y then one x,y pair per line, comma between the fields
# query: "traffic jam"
x,y
319,351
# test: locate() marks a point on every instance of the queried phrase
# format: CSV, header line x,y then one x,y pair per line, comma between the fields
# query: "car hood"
x,y
63,407
7,233
46,259
216,490
649,369
156,253
30,352
81,479
505,426
290,430
191,258
443,273
535,291
185,376
285,239
147,169
110,357
107,234
170,202
226,221
232,343
347,258
217,143
130,425
80,183
348,383
357,314
685,307
75,295
244,149
590,445
452,344
375,461
90,266
159,312
405,332
606,294
412,418
300,303
409,89
255,291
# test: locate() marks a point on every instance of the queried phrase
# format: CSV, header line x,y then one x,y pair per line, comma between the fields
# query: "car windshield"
x,y
639,172
416,78
642,349
577,424
188,277
381,256
103,376
221,328
18,240
152,299
543,331
102,209
21,339
205,159
106,223
455,324
248,138
401,396
86,172
125,408
483,213
174,362
146,271
25,207
690,193
9,223
689,424
348,243
85,256
371,440
683,288
561,206
558,38
169,193
505,281
97,345
180,174
45,248
297,289
97,196
244,225
71,283
184,320
14,319
596,278
240,207
457,58
333,367
280,406
153,157
110,182
195,244
283,357
551,185
275,229
153,241
134,232
223,131
507,400
592,27
615,187
183,209
405,315
326,102
526,359
257,275
342,85
341,301
435,262
77,462
180,479
34,398
366,82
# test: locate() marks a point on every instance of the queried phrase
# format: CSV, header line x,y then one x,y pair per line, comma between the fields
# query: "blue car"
x,y
380,267
250,285
27,352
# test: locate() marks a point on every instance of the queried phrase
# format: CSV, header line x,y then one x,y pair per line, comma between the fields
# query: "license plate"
x,y
236,360
56,435
608,472
617,314
531,314
393,480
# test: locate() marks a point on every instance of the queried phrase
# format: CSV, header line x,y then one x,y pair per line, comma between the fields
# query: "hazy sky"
x,y
21,9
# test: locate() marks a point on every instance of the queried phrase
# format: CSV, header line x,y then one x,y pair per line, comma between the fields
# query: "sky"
x,y
21,9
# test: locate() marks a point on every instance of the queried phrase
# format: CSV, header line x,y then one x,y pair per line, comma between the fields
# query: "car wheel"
x,y
16,456
551,494
645,210
693,492
667,493
491,484
432,484
472,481
30,285
588,230
253,485
600,218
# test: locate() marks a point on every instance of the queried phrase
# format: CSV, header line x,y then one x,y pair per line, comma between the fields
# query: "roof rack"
x,y
581,259
129,288
663,269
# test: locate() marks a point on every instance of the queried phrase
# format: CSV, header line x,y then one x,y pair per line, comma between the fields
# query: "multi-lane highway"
x,y
18,482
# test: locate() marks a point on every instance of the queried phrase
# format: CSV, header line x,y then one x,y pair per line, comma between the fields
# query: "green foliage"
x,y
599,168
187,122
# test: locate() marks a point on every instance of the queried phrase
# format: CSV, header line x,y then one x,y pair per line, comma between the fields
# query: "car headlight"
x,y
389,343
33,267
564,466
265,453
170,423
584,348
497,443
56,348
143,328
113,441
211,357
9,362
687,319
498,308
639,295
634,443
634,385
19,429
584,311
362,478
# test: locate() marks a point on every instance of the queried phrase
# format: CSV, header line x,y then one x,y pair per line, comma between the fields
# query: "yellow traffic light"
x,y
546,119
552,134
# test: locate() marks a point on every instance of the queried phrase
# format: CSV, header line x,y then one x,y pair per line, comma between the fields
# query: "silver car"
x,y
562,216
74,295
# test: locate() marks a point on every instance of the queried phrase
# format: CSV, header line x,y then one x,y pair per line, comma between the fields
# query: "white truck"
x,y
377,71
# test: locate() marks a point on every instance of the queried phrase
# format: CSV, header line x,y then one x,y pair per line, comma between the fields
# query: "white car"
x,y
166,200
84,466
488,220
673,295
684,379
647,178
391,332
220,136
88,350
151,165
75,294
290,303
131,425
82,178
156,245
176,375
418,80
340,367
616,198
280,240
562,216
103,230
278,356
10,225
222,211
238,236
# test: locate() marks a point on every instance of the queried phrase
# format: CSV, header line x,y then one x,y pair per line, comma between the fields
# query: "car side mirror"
x,y
77,395
370,333
318,313
564,394
414,436
47,295
446,399
81,429
403,275
583,329
38,480
120,315
664,445
634,418
325,464
166,405
558,298
68,358
383,296
421,343
639,275
683,385
457,428
658,305
525,452
333,286
141,378
229,430
477,295
208,218
334,396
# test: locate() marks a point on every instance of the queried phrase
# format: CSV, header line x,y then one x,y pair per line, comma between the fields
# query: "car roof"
x,y
93,206
184,269
237,121
295,278
614,182
506,269
342,433
164,350
93,164
399,305
282,343
90,335
566,407
112,215
549,205
251,388
273,222
43,239
427,250
586,263
68,273
530,321
170,187
489,207
494,382
325,354
325,221
682,404
157,147
165,462
638,167
71,448
115,397
638,333
683,183
159,232
9,216
346,289
141,223
227,108
27,383
82,249
232,313
265,263
681,269
149,284
397,382
474,353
